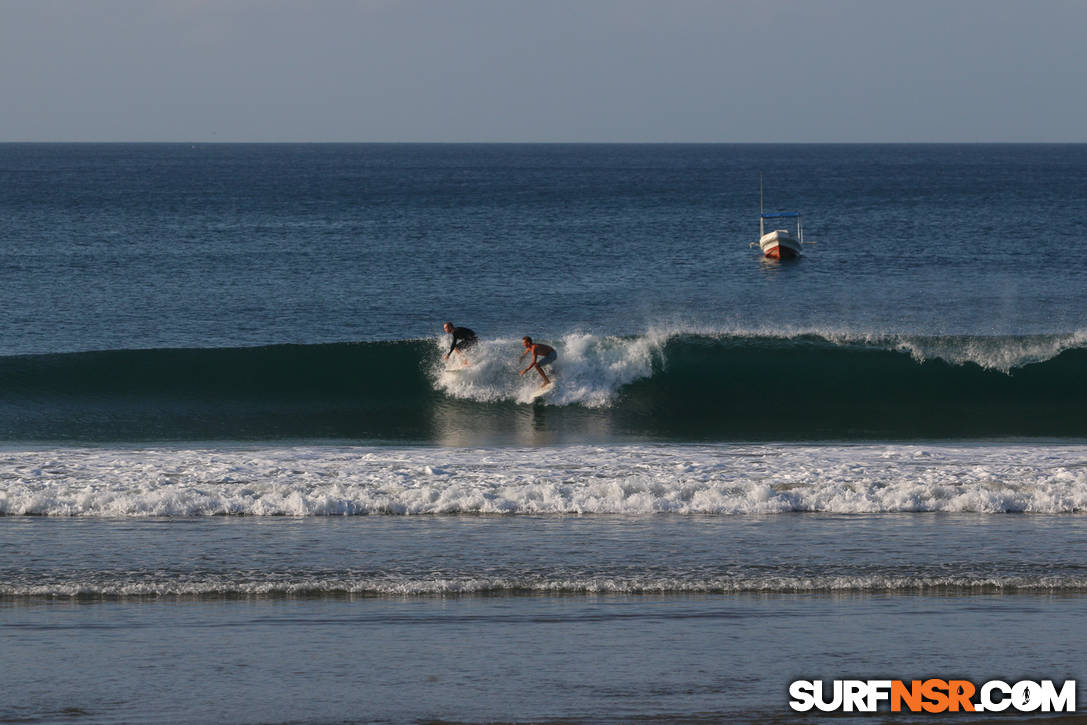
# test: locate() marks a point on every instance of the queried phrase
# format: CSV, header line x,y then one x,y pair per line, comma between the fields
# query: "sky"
x,y
733,71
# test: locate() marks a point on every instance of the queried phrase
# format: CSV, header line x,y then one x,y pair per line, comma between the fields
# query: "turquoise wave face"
x,y
666,387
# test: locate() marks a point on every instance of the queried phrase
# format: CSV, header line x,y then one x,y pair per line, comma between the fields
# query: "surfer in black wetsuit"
x,y
463,339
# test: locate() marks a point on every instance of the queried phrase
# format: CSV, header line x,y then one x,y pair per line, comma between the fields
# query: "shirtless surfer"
x,y
463,339
541,355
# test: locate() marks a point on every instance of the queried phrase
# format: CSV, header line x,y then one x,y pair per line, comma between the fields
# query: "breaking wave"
x,y
660,386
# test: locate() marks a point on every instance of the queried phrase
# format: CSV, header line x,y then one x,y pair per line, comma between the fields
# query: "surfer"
x,y
541,355
463,339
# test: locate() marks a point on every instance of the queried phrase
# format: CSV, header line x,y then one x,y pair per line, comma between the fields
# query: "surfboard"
x,y
542,391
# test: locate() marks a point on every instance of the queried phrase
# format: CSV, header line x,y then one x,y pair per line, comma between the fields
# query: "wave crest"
x,y
663,385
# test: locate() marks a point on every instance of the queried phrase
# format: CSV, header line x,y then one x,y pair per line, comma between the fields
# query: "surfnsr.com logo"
x,y
932,695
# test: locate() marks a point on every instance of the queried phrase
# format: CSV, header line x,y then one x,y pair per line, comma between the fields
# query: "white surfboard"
x,y
544,390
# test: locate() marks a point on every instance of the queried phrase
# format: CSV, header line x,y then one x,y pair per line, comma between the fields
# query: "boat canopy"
x,y
783,214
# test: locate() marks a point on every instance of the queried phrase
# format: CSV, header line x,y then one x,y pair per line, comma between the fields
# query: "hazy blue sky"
x,y
547,70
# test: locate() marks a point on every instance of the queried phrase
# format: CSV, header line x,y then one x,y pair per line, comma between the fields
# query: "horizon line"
x,y
552,143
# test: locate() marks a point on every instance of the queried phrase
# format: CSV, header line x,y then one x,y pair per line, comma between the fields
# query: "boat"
x,y
780,243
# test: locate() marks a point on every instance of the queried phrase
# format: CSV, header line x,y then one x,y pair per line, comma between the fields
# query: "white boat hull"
x,y
779,244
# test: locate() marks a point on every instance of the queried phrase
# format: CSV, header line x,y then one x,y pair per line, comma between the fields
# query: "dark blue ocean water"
x,y
146,246
238,483
943,297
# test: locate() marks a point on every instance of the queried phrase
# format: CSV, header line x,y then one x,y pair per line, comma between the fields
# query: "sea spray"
x,y
591,370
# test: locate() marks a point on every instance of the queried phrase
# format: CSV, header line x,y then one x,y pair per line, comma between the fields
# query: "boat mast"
x,y
762,231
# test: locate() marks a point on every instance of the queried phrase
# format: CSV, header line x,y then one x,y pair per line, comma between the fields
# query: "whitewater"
x,y
561,480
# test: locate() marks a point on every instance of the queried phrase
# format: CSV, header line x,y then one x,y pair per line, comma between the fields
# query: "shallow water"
x,y
90,559
527,617
601,658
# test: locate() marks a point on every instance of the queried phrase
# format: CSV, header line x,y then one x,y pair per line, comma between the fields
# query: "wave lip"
x,y
1002,353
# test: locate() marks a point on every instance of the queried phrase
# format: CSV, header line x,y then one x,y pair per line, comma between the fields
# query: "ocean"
x,y
240,483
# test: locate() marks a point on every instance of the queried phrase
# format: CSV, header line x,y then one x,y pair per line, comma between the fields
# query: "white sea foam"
x,y
619,479
240,584
589,371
